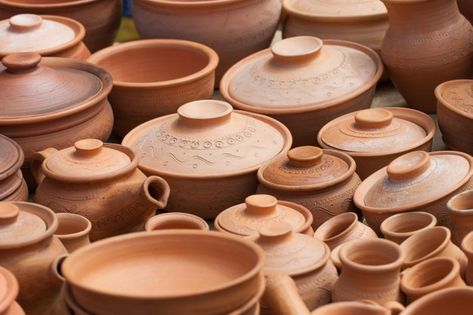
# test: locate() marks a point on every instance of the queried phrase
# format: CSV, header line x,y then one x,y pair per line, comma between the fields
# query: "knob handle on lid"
x,y
21,62
373,118
88,147
25,22
305,156
297,49
204,113
409,165
8,212
275,231
260,205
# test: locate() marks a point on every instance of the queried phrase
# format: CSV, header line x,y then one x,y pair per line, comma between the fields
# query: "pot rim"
x,y
341,217
465,244
412,239
59,4
19,162
442,102
396,235
75,235
13,289
456,210
190,4
149,225
441,295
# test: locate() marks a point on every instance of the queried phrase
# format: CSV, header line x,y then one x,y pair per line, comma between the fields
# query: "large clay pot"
x,y
461,215
176,220
400,227
8,293
73,231
466,8
458,301
101,18
427,43
467,247
12,185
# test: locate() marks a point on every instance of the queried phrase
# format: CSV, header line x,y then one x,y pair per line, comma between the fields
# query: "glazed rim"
x,y
58,4
415,116
87,226
345,157
467,244
12,290
441,101
101,74
197,221
462,203
18,163
82,252
440,297
365,186
344,223
124,48
387,224
228,76
79,32
441,236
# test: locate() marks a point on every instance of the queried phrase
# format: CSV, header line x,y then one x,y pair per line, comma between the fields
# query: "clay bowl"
x,y
458,301
401,226
73,231
175,272
176,220
152,78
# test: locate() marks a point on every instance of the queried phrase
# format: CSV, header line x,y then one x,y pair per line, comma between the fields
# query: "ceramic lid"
x,y
207,138
290,252
247,218
414,179
302,72
11,157
8,290
337,10
457,95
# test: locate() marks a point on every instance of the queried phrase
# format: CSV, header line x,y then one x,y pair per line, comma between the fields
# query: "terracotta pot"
x,y
370,270
411,183
458,301
324,181
400,227
246,219
8,293
234,29
304,83
12,185
101,18
219,170
47,35
467,247
175,220
73,231
466,8
175,257
158,75
29,250
101,182
455,114
375,137
441,50
461,215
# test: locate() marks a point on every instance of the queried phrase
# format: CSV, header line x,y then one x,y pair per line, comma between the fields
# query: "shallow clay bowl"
x,y
458,301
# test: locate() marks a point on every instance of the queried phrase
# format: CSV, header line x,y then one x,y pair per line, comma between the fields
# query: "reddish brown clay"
x,y
12,185
461,215
466,8
175,220
400,227
73,231
467,247
8,292
458,301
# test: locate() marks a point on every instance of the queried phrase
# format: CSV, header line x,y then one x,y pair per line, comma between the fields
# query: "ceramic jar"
x,y
467,247
234,29
304,83
411,183
158,74
8,293
458,301
466,8
400,227
427,43
375,137
461,215
12,185
30,251
101,182
324,181
73,231
52,36
175,220
209,150
101,18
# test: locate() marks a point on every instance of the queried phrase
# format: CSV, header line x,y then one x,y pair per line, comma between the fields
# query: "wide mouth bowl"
x,y
425,244
336,227
445,104
72,225
451,300
461,204
467,244
403,225
176,221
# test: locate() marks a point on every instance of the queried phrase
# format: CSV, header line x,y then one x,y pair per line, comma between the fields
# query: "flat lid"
x,y
457,94
337,9
301,71
372,130
247,218
31,33
11,157
31,89
206,138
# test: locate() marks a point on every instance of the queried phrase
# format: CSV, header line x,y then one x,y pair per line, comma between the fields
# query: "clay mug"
x,y
460,208
176,220
467,247
458,301
399,227
73,231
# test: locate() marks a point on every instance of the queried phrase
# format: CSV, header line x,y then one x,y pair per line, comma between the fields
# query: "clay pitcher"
x,y
73,231
461,215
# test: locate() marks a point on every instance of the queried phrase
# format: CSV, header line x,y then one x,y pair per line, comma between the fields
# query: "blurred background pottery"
x,y
458,301
73,231
467,247
12,185
400,227
8,293
461,215
175,220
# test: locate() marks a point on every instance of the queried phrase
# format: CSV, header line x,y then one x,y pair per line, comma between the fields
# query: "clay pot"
x,y
455,114
411,183
101,18
343,228
101,182
158,76
400,227
304,83
12,185
467,247
47,35
73,231
324,181
184,261
458,301
209,150
461,215
359,308
375,137
466,8
8,293
175,220
246,219
29,250
429,276
234,29
441,50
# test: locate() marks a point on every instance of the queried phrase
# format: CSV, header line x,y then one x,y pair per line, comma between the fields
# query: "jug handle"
x,y
56,266
37,161
157,191
282,297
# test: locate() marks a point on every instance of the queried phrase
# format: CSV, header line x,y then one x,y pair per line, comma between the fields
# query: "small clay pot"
x,y
400,227
73,231
458,301
467,247
12,185
8,293
175,220
461,215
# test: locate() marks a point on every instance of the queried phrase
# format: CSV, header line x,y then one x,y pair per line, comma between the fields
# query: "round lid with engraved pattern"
x,y
457,95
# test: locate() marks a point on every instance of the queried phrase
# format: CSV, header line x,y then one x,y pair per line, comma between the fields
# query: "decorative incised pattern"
x,y
344,291
461,97
319,170
340,7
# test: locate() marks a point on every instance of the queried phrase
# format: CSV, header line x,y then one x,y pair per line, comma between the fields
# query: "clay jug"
x,y
73,231
461,215
467,247
401,226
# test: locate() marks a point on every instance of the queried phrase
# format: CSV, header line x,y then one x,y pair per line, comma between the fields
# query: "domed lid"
x,y
300,73
414,179
377,131
8,290
207,138
457,95
307,168
11,157
247,218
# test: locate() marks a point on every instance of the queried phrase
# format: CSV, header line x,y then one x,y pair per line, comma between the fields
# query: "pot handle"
x,y
157,191
281,296
37,161
56,266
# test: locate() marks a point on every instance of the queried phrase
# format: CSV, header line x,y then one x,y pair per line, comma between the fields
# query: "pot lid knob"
x,y
20,62
8,213
88,147
261,205
297,49
409,165
373,118
275,231
204,113
305,156
25,22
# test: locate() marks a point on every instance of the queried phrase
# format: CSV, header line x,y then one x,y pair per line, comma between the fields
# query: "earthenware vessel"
x,y
8,293
411,183
304,83
175,220
375,137
73,231
209,149
458,301
324,181
466,8
455,114
461,215
101,18
247,218
157,75
360,308
234,29
51,36
184,261
467,247
427,43
29,250
400,227
12,185
101,182
370,270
